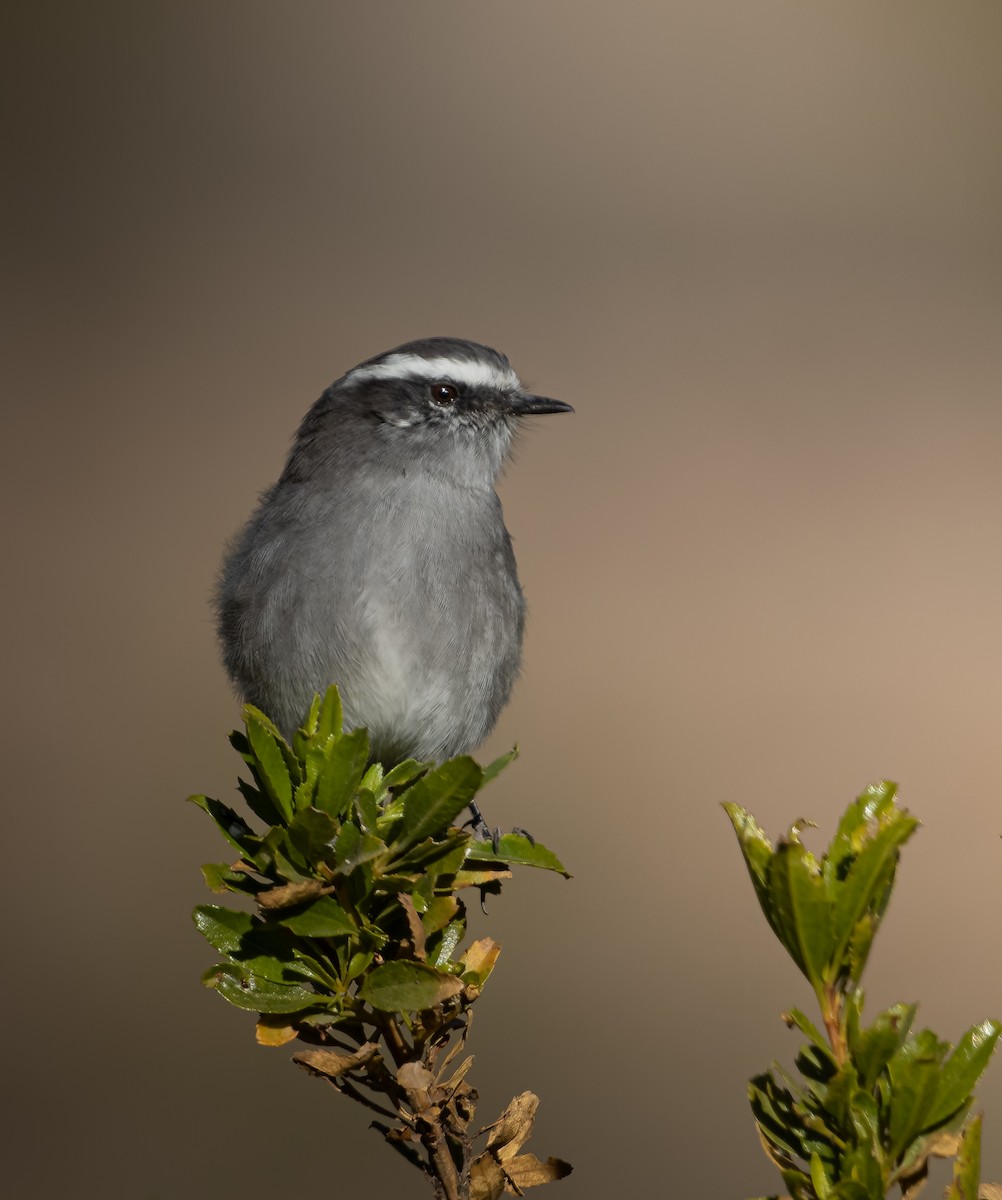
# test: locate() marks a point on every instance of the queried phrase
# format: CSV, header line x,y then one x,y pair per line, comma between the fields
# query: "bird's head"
x,y
437,401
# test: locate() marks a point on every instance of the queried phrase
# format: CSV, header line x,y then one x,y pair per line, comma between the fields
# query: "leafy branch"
x,y
875,1102
355,944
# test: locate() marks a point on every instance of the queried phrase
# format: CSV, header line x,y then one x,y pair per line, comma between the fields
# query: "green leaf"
x,y
311,720
367,809
866,886
438,913
802,909
433,803
241,987
311,968
342,772
878,1044
231,825
357,964
352,848
330,717
313,834
446,853
407,987
967,1165
796,1018
373,779
405,772
223,928
914,1074
820,1181
776,1117
963,1069
758,854
323,918
269,762
259,803
518,849
494,769
220,877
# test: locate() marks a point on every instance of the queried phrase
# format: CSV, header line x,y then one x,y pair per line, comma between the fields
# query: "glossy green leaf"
x,y
323,918
802,908
866,886
270,766
224,928
407,987
758,854
342,772
515,848
242,988
963,1069
435,800
373,778
330,715
359,962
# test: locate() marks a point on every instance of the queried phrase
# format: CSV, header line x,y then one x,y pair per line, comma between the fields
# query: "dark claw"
x,y
480,828
524,833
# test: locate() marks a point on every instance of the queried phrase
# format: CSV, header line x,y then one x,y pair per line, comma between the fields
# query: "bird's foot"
x,y
484,833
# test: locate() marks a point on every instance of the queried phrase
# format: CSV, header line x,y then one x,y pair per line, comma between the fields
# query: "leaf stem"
x,y
830,1000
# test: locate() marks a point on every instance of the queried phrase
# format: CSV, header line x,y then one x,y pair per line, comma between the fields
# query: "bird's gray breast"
x,y
404,592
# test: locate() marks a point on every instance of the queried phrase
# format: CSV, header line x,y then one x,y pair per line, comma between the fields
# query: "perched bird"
x,y
380,560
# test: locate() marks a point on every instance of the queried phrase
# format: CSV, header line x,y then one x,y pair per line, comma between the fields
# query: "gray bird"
x,y
380,560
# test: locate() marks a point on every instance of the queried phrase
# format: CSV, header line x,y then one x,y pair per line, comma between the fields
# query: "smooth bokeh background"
x,y
757,246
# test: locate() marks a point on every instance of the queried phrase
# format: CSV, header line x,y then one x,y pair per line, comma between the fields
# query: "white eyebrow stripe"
x,y
454,370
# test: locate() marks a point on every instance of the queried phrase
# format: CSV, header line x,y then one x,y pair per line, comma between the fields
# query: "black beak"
x,y
524,405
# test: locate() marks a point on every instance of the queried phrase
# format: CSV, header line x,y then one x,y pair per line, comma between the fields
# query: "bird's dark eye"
x,y
444,394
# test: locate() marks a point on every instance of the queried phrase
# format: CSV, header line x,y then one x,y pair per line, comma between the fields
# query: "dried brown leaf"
x,y
289,894
457,1077
333,1064
513,1128
481,956
487,1179
527,1171
414,924
990,1191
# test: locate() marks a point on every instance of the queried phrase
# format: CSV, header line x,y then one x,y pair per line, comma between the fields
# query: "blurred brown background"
x,y
757,245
